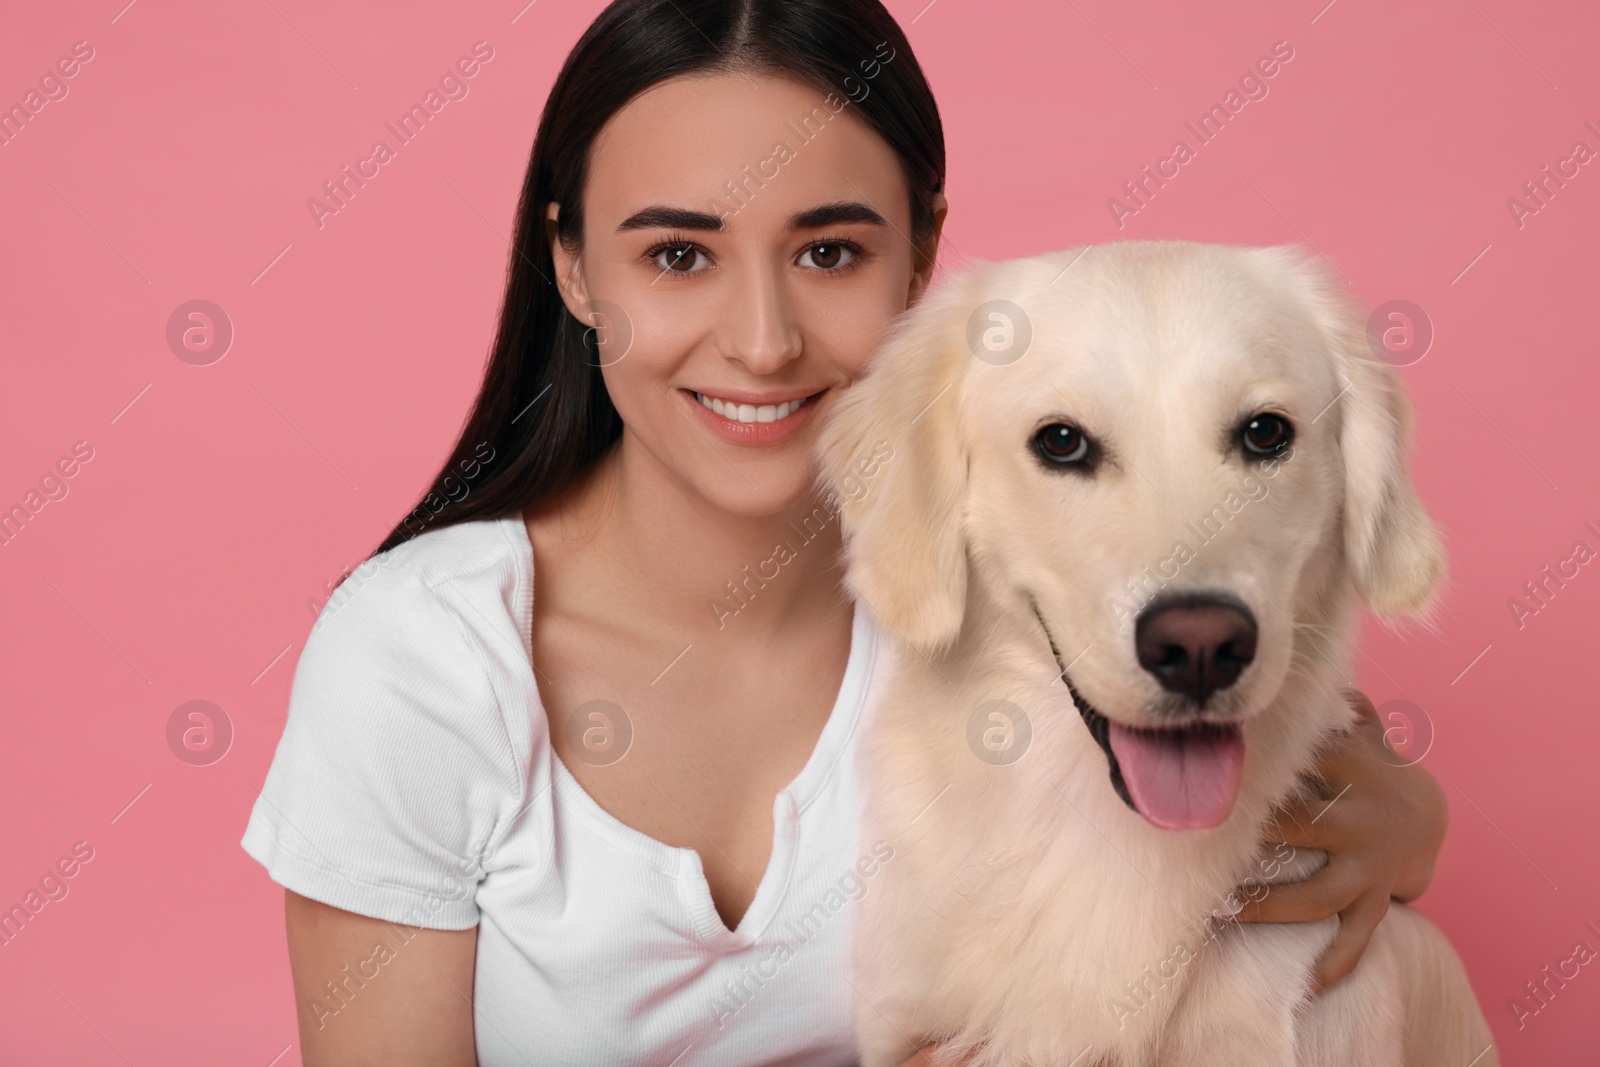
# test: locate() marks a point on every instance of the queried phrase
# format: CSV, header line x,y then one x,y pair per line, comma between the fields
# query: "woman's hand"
x,y
1382,824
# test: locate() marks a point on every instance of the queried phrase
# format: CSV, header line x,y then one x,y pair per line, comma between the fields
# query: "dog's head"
x,y
1180,458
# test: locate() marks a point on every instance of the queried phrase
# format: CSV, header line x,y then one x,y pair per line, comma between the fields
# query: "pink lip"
x,y
753,433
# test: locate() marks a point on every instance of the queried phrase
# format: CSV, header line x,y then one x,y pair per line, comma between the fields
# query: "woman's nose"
x,y
758,328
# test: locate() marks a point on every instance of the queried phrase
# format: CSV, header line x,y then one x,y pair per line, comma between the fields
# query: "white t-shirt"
x,y
415,782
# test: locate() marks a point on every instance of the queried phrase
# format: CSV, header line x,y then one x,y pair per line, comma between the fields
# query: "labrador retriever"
x,y
1138,492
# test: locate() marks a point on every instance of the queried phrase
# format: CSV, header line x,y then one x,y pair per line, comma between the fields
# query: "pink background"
x,y
180,564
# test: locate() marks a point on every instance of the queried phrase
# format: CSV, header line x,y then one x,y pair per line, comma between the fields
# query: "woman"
x,y
620,826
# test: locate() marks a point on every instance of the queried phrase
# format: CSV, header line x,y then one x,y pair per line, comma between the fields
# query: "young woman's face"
x,y
738,270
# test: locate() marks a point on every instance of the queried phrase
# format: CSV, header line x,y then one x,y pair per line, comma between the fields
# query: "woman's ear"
x,y
569,278
926,253
905,546
1394,553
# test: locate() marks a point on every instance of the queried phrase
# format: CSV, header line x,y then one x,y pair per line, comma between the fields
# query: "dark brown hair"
x,y
543,417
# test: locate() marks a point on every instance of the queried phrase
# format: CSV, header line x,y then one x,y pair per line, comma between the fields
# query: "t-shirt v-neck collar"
x,y
790,803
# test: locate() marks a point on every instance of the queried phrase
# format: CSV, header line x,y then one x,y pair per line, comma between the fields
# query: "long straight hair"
x,y
543,418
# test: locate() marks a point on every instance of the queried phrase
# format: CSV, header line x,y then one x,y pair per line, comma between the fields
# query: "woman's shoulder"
x,y
404,756
439,624
478,560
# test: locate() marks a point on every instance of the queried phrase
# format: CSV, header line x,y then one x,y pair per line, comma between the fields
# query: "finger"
x,y
1365,710
1347,756
1373,737
1323,895
1356,926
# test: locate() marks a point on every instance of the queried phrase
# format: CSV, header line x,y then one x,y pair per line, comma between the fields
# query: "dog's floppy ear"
x,y
1393,551
905,543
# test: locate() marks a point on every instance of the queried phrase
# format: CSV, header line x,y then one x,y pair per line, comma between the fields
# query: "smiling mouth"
x,y
1183,777
736,412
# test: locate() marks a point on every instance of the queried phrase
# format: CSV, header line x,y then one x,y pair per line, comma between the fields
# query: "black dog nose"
x,y
1195,646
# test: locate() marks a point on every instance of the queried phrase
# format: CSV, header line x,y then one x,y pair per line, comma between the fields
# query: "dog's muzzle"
x,y
1099,726
1185,776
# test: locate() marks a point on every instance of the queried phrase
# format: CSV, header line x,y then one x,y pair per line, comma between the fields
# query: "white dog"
x,y
1135,492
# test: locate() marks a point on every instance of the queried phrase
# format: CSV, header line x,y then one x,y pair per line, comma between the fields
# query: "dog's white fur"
x,y
1028,915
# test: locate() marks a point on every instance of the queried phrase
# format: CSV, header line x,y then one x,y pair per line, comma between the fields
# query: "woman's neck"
x,y
637,536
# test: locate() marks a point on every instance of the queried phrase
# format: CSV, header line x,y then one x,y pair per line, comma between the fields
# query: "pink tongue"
x,y
1181,779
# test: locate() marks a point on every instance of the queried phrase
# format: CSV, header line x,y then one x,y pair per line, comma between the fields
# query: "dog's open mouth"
x,y
1182,777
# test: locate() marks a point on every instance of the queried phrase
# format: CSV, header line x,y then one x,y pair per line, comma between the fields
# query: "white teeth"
x,y
749,412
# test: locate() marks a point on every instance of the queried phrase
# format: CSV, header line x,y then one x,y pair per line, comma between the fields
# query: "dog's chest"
x,y
1251,978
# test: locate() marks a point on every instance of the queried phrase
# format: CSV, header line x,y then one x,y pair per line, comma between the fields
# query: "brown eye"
x,y
680,259
1062,445
1266,434
827,255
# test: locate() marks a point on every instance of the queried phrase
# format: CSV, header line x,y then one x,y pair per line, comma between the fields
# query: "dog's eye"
x,y
1061,444
1266,434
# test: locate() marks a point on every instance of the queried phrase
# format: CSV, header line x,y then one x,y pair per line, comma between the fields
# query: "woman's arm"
x,y
1382,834
400,996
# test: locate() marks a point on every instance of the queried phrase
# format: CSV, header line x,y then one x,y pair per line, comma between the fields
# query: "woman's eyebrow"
x,y
659,215
833,214
677,218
